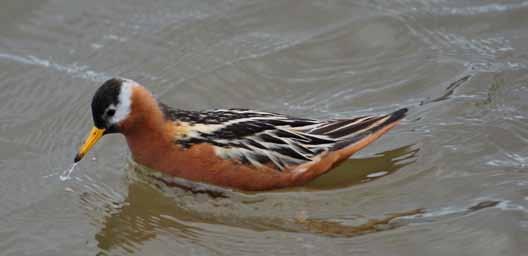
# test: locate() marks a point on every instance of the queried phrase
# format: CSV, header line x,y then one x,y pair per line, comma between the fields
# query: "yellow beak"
x,y
94,135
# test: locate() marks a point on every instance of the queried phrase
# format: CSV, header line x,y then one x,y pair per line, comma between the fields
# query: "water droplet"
x,y
66,174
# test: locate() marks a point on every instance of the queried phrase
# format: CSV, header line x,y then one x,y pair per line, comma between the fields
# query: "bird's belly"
x,y
201,163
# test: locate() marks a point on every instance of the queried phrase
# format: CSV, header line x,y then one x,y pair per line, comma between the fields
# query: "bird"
x,y
237,148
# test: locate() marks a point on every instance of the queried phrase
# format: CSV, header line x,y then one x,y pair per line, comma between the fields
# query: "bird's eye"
x,y
110,112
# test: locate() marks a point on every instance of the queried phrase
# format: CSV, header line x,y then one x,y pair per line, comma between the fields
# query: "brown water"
x,y
451,180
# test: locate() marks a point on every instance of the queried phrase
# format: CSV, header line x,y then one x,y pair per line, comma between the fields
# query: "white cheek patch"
x,y
125,101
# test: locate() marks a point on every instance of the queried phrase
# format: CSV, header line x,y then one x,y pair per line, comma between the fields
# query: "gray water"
x,y
452,179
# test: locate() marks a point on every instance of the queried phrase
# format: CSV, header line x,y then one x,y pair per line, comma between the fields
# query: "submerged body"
x,y
238,148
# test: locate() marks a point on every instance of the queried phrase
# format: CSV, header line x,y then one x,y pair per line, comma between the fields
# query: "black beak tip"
x,y
77,158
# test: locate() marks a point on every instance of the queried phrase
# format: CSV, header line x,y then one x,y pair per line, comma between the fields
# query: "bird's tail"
x,y
370,133
352,135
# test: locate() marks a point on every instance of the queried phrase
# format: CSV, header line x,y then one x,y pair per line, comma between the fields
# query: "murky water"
x,y
451,180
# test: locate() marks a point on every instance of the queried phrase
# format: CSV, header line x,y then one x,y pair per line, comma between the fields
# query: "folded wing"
x,y
262,138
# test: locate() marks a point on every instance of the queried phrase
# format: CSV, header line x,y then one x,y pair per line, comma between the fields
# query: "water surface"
x,y
451,180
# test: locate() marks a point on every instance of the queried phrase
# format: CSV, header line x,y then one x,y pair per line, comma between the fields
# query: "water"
x,y
450,180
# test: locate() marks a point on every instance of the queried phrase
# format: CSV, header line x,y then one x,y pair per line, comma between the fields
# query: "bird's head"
x,y
111,108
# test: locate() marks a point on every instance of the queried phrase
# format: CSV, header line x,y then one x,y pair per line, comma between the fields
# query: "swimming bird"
x,y
238,148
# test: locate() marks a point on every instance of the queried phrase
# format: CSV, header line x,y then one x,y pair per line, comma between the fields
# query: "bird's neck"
x,y
146,127
145,113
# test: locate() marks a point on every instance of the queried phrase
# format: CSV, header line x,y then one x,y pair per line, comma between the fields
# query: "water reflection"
x,y
356,171
140,217
150,209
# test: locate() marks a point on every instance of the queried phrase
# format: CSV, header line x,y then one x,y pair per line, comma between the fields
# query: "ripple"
x,y
76,70
481,9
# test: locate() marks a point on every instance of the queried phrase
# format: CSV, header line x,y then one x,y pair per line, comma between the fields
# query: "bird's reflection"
x,y
148,210
356,171
140,217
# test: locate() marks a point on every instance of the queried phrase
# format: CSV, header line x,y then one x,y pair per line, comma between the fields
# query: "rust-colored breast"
x,y
200,163
157,149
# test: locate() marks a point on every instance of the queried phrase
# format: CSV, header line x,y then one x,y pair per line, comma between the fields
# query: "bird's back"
x,y
282,142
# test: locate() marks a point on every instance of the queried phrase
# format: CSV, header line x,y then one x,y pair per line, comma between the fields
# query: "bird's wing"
x,y
263,138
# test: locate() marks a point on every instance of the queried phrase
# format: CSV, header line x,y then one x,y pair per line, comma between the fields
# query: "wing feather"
x,y
261,138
